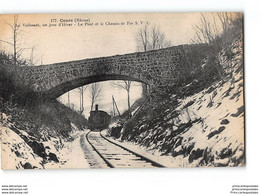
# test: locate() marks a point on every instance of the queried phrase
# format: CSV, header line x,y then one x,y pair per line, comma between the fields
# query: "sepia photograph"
x,y
122,90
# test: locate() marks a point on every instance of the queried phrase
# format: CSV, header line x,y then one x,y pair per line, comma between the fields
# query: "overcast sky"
x,y
66,43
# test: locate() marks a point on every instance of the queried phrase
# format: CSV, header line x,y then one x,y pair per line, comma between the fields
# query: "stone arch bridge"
x,y
155,68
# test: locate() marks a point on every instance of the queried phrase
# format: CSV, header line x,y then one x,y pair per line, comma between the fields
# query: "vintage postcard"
x,y
122,90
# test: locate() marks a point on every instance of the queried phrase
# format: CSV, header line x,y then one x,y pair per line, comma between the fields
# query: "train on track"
x,y
98,119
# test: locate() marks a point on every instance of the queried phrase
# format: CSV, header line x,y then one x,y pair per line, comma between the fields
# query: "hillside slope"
x,y
203,128
39,136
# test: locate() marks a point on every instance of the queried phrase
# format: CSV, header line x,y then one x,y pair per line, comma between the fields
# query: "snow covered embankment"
x,y
205,129
25,152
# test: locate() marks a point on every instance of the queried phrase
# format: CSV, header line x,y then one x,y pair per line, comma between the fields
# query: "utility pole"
x,y
115,106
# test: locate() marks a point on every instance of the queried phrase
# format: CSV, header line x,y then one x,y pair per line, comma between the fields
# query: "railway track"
x,y
117,156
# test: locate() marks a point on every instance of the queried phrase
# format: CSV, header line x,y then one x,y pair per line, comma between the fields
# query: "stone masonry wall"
x,y
157,67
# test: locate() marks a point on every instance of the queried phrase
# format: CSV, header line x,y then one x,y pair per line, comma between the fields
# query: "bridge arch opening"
x,y
80,98
62,88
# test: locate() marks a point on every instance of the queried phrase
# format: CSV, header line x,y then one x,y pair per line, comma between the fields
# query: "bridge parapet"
x,y
157,67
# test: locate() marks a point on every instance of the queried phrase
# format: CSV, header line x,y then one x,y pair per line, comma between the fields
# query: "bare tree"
x,y
81,91
158,39
68,104
156,36
206,30
32,56
95,92
216,30
227,19
33,60
17,45
213,25
150,38
142,39
126,85
17,50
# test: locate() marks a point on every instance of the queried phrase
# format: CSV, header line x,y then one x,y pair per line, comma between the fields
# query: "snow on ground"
x,y
206,129
76,153
139,150
219,127
70,156
213,134
222,125
17,154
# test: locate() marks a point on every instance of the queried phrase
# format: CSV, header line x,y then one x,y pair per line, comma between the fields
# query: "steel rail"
x,y
156,164
105,160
